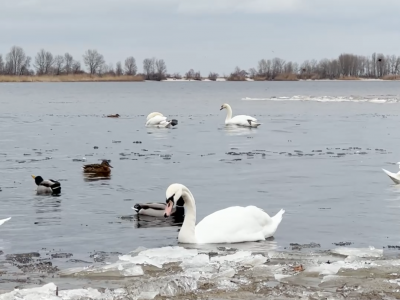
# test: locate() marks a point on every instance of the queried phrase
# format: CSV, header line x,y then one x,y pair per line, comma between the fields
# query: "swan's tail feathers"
x,y
395,178
253,124
278,217
4,220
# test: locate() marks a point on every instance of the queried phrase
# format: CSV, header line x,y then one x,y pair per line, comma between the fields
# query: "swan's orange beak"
x,y
168,209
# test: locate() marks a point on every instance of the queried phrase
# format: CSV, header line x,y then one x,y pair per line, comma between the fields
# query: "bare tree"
x,y
76,67
130,66
189,74
161,69
25,68
58,64
43,62
15,60
2,65
118,69
252,72
68,59
93,60
213,76
176,76
149,67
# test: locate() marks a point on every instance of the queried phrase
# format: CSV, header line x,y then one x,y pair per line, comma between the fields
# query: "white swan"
x,y
230,225
157,119
394,176
4,220
240,120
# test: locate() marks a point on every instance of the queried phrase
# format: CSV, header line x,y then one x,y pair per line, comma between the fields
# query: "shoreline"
x,y
139,78
71,78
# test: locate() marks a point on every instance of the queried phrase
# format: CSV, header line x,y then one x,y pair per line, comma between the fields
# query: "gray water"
x,y
320,161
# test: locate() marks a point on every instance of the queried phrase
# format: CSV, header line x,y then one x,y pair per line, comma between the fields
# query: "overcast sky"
x,y
206,35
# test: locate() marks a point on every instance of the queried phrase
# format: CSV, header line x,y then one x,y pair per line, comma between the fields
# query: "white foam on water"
x,y
358,252
370,99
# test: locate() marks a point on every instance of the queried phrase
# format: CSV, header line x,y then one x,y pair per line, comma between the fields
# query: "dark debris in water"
x,y
101,256
296,246
342,243
61,255
31,262
393,247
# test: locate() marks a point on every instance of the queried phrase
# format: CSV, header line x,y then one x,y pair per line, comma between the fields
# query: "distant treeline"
x,y
346,66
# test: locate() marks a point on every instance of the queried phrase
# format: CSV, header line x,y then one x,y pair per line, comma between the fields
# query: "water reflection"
x,y
47,209
142,221
95,177
261,246
233,130
159,133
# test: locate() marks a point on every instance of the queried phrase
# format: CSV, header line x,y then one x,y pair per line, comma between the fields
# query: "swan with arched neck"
x,y
234,224
156,119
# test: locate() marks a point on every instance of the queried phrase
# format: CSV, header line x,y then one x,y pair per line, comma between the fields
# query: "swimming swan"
x,y
157,119
230,225
4,220
240,120
394,176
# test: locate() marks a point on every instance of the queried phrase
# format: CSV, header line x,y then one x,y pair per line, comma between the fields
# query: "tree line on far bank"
x,y
346,66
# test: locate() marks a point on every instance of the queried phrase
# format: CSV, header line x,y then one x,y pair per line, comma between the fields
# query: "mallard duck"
x,y
113,116
49,186
103,168
157,209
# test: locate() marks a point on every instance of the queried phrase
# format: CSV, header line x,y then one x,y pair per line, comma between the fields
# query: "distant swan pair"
x,y
156,119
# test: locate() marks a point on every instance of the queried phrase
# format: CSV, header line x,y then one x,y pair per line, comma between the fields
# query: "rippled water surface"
x,y
318,155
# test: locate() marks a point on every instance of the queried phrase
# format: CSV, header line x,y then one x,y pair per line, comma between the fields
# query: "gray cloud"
x,y
207,35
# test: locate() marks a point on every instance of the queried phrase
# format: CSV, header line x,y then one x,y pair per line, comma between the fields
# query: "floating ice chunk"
x,y
359,252
147,295
159,256
326,269
262,271
196,262
279,277
236,257
80,294
228,273
179,285
118,269
255,260
46,292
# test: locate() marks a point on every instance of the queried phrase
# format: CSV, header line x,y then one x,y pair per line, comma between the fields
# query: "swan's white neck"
x,y
228,112
187,234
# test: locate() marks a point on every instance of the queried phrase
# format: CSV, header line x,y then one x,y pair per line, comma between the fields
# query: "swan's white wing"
x,y
242,120
237,224
4,220
156,120
394,176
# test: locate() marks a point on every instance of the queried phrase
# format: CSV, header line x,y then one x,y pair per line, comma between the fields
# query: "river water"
x,y
318,154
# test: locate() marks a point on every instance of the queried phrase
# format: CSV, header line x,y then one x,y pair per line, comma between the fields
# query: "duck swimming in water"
x,y
113,116
49,186
158,209
103,168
